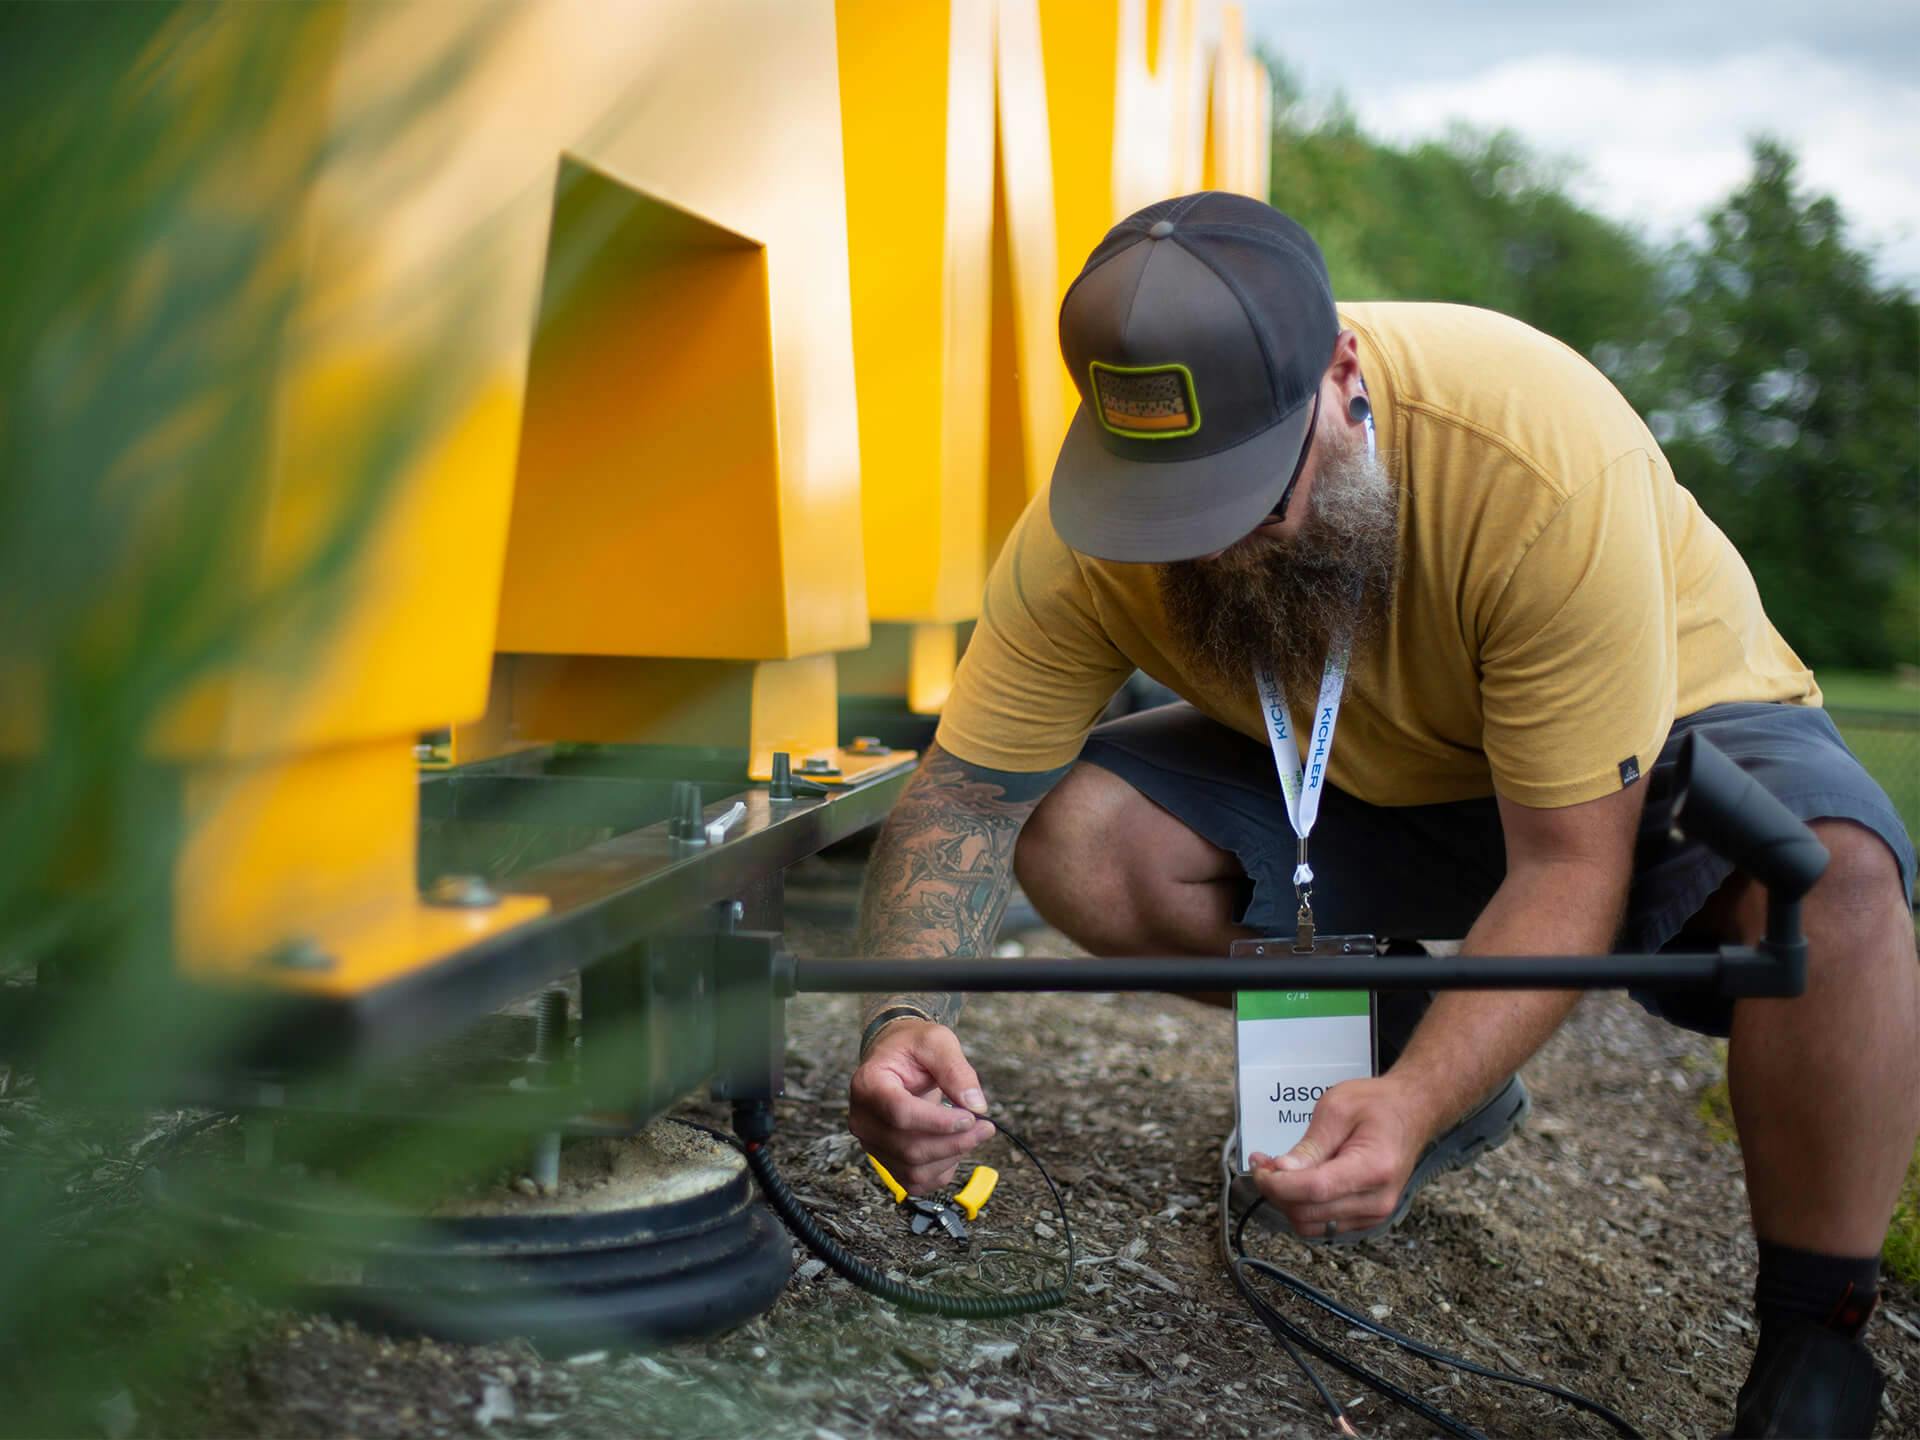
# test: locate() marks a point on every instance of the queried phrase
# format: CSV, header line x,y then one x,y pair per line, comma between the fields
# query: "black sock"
x,y
1837,1291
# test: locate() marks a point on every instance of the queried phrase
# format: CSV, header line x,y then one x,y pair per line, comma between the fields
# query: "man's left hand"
x,y
1353,1162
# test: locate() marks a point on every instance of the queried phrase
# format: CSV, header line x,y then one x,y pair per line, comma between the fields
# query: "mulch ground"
x,y
1604,1248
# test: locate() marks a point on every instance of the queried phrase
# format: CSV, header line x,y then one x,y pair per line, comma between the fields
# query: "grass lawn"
x,y
1869,690
1879,717
1892,756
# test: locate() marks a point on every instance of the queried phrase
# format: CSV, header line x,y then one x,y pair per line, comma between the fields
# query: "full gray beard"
x,y
1284,600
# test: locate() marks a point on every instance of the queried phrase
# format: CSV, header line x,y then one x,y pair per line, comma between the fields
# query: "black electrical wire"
x,y
1441,1357
1290,1335
1285,1332
919,1299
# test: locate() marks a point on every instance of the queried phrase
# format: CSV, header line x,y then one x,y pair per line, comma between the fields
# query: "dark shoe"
x,y
1483,1130
1808,1383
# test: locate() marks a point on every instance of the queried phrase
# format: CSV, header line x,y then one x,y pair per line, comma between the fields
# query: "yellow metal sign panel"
x,y
1027,413
652,283
1188,103
1079,48
1239,131
1137,111
438,133
916,87
647,515
435,136
933,656
369,949
769,704
317,853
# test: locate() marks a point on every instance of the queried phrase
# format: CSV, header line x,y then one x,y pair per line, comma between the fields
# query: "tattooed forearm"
x,y
942,869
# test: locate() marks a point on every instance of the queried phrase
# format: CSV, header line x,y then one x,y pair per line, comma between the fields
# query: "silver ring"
x,y
1333,1228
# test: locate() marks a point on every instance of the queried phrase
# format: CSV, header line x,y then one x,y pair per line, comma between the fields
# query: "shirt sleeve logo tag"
x,y
1629,770
1145,402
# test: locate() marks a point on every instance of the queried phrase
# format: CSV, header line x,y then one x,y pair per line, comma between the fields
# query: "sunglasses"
x,y
1279,511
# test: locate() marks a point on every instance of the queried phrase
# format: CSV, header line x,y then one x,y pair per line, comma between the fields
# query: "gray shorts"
x,y
1424,872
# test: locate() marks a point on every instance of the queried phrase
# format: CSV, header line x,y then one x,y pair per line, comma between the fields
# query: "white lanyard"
x,y
1301,785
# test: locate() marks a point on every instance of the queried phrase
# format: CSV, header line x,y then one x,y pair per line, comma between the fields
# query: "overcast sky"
x,y
1654,98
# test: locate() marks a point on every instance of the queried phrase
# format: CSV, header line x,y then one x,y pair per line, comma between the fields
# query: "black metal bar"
x,y
619,802
1725,808
1709,972
603,899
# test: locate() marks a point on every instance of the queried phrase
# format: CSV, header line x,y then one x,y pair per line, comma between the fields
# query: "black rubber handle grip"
x,y
1726,809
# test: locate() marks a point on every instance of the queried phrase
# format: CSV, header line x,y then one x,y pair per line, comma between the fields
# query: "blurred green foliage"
x,y
151,310
1475,220
140,333
1782,379
1787,398
1872,690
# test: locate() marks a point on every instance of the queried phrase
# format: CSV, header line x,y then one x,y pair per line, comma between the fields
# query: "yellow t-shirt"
x,y
1560,598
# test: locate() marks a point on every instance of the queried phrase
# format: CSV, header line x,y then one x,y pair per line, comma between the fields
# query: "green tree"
x,y
1786,399
1475,219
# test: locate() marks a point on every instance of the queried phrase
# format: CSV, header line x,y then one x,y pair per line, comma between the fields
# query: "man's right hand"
x,y
937,885
894,1109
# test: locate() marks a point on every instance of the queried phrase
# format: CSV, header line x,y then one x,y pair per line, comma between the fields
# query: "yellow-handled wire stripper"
x,y
972,1196
969,1200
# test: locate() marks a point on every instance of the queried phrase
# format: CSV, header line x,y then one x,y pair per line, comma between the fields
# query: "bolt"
x,y
550,1026
692,818
462,892
546,1161
549,1050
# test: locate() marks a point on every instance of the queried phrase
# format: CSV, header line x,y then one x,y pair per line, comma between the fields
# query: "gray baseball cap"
x,y
1197,333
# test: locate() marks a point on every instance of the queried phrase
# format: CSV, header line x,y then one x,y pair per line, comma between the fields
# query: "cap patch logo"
x,y
1145,402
